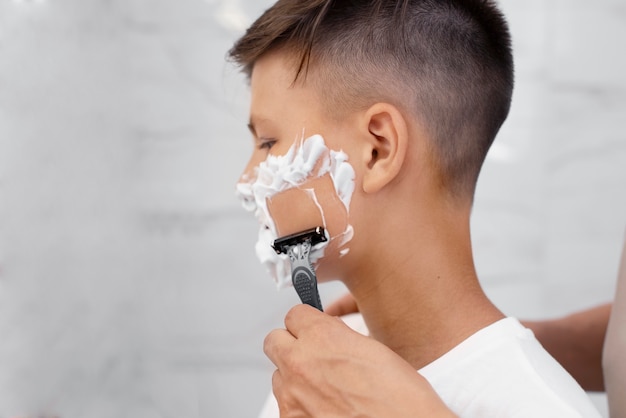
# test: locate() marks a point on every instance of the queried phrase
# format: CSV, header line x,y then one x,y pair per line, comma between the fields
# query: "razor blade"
x,y
298,247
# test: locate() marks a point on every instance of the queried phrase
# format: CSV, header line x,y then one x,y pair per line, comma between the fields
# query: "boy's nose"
x,y
248,171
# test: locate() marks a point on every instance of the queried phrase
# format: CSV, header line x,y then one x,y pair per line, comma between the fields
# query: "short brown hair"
x,y
449,62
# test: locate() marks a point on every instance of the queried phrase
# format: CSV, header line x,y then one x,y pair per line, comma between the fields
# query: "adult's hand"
x,y
343,306
325,369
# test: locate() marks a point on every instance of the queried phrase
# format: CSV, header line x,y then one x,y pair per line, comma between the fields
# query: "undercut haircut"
x,y
446,62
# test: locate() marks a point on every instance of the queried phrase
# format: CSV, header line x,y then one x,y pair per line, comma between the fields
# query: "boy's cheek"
x,y
314,203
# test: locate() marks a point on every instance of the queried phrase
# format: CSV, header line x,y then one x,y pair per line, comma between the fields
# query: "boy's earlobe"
x,y
387,148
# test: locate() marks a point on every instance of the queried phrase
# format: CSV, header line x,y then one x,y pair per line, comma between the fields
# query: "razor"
x,y
298,247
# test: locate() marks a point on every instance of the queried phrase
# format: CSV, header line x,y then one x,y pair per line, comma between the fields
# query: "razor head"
x,y
314,236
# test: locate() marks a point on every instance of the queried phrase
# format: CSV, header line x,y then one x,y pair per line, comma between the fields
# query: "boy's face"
x,y
300,174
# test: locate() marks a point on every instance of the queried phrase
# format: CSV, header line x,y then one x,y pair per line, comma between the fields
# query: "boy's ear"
x,y
386,149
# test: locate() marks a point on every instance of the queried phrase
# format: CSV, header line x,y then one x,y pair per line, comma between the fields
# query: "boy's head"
x,y
397,90
446,63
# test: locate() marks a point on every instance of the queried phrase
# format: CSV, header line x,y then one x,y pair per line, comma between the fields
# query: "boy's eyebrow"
x,y
251,127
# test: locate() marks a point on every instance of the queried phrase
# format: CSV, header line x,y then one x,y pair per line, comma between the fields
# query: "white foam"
x,y
306,159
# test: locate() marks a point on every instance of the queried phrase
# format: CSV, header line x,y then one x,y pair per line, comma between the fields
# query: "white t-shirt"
x,y
500,371
503,371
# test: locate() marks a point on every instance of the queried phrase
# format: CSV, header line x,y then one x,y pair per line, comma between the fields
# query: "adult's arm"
x,y
576,341
325,369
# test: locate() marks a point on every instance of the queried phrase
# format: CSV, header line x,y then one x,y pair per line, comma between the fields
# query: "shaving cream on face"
x,y
307,159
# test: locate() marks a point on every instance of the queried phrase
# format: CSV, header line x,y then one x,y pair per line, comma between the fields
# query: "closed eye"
x,y
266,143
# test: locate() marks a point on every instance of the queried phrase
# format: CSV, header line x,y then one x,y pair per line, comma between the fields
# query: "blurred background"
x,y
128,281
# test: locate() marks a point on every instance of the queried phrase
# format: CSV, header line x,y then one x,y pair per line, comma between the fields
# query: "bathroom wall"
x,y
128,283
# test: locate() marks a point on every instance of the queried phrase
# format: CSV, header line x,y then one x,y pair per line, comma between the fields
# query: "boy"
x,y
372,119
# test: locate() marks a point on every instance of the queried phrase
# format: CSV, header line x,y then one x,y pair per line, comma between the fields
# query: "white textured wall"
x,y
128,284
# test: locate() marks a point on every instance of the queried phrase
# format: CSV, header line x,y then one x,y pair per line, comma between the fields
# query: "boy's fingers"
x,y
302,316
277,381
279,344
343,306
276,344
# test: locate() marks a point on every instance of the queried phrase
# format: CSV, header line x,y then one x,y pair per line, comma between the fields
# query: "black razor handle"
x,y
305,283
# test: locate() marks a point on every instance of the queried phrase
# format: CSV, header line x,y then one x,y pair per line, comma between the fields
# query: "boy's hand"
x,y
325,369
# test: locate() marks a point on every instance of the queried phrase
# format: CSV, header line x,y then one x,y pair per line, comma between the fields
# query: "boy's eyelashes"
x,y
266,143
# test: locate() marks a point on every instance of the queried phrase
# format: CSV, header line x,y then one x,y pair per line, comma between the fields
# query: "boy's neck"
x,y
423,299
